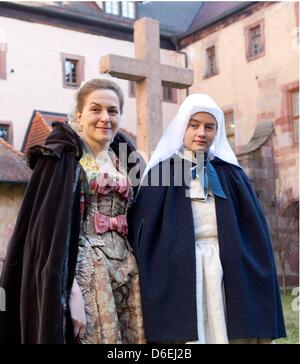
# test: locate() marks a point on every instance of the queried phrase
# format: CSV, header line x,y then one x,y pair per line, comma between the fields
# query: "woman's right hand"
x,y
76,304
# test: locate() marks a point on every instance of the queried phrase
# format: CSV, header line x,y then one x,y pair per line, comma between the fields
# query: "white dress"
x,y
211,320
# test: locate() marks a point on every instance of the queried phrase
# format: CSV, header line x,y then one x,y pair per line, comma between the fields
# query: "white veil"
x,y
172,139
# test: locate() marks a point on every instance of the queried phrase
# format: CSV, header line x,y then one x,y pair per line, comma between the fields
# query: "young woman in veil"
x,y
207,271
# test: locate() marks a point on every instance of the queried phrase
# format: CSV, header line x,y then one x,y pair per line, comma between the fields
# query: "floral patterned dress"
x,y
106,269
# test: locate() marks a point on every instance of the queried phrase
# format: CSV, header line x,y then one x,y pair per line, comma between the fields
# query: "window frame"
x,y
120,9
173,91
248,43
105,7
232,134
286,125
80,69
3,53
121,3
208,72
292,117
10,131
131,88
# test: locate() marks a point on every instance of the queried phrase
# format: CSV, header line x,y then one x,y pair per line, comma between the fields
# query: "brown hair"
x,y
97,84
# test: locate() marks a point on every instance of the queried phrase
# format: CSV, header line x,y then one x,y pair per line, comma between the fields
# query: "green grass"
x,y
291,318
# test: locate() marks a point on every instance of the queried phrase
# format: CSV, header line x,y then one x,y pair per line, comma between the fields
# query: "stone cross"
x,y
150,75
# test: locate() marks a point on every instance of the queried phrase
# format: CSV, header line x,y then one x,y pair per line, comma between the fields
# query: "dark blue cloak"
x,y
161,232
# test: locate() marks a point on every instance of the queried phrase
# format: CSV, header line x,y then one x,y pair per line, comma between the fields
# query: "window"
x,y
3,61
6,131
112,7
295,113
169,94
131,89
255,41
73,67
71,71
211,62
127,9
229,126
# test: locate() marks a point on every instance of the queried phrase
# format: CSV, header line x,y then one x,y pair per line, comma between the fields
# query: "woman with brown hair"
x,y
69,274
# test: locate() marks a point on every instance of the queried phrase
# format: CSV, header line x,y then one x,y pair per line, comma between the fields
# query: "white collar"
x,y
186,154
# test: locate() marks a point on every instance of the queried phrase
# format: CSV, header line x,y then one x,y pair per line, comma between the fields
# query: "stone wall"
x,y
251,89
11,197
279,203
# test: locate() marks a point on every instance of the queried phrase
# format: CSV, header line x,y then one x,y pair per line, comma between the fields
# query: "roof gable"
x,y
39,127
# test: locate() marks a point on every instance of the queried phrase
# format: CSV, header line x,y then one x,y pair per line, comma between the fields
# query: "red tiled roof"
x,y
13,167
40,127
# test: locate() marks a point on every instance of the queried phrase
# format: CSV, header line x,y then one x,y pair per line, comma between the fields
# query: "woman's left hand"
x,y
76,304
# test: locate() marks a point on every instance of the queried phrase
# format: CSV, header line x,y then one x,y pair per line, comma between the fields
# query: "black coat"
x,y
161,232
41,258
40,263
